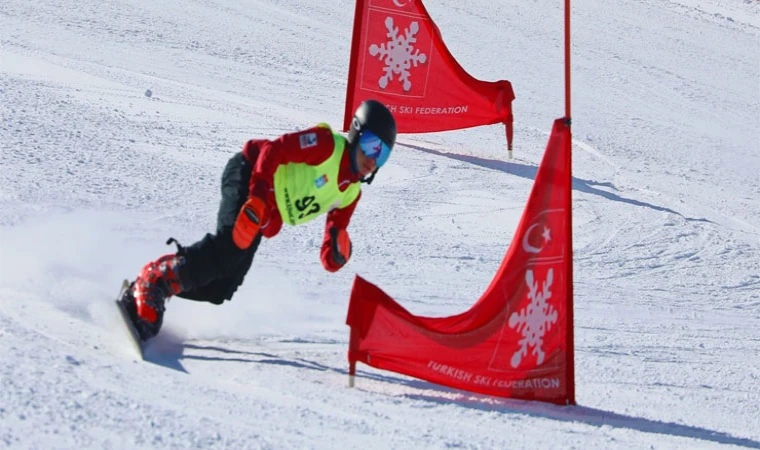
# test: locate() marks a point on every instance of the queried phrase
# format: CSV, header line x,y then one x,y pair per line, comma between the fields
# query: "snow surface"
x,y
118,117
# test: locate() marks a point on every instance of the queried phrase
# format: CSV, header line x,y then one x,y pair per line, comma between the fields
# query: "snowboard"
x,y
128,324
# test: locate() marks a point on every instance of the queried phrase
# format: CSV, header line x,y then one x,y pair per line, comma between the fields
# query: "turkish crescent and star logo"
x,y
545,238
400,3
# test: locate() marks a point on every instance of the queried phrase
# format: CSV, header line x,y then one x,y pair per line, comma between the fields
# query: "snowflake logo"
x,y
398,54
534,320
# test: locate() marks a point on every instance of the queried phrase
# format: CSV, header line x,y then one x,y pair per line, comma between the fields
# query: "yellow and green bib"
x,y
304,192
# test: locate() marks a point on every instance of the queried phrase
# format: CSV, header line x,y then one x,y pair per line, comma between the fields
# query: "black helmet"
x,y
372,116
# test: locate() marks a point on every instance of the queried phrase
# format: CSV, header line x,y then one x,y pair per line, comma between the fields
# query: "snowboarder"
x,y
291,179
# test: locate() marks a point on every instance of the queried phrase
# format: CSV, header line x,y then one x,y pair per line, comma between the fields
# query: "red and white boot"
x,y
146,297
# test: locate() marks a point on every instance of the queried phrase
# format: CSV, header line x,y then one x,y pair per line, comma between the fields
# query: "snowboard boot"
x,y
146,297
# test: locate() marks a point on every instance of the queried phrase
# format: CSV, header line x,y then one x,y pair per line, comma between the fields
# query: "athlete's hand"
x,y
340,244
249,220
336,249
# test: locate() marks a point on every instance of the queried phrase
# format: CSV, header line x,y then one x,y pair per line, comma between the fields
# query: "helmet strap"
x,y
369,179
353,147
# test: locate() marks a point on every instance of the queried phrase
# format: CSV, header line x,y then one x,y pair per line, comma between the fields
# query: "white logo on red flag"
x,y
534,320
545,238
398,54
538,240
531,321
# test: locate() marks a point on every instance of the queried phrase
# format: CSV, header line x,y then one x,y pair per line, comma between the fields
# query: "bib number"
x,y
307,206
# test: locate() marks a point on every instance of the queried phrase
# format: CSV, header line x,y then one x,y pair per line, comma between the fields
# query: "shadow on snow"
x,y
529,172
169,351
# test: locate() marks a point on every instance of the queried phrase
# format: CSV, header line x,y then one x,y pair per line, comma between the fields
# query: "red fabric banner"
x,y
517,340
399,58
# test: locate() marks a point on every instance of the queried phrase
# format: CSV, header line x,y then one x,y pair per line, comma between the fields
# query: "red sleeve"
x,y
312,146
338,218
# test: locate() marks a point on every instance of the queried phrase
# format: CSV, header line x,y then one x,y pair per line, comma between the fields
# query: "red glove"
x,y
252,215
336,250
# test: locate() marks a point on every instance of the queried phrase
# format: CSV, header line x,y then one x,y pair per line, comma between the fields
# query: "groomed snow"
x,y
96,173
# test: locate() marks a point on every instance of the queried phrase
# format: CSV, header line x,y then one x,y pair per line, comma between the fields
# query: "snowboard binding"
x,y
144,328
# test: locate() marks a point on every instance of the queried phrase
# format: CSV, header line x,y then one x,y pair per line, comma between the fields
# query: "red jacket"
x,y
266,157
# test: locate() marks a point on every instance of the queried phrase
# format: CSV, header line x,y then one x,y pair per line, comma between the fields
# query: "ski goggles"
x,y
373,147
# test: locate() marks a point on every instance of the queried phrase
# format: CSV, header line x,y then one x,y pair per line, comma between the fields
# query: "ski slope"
x,y
116,119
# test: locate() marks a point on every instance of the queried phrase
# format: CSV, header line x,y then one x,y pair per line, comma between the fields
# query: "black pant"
x,y
214,266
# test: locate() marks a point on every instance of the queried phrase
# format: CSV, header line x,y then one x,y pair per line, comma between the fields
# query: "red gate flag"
x,y
517,340
399,59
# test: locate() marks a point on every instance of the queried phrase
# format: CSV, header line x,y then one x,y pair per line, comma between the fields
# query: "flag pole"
x,y
567,61
570,313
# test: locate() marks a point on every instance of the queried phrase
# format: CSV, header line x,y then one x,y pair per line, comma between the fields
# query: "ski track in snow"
x,y
95,175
